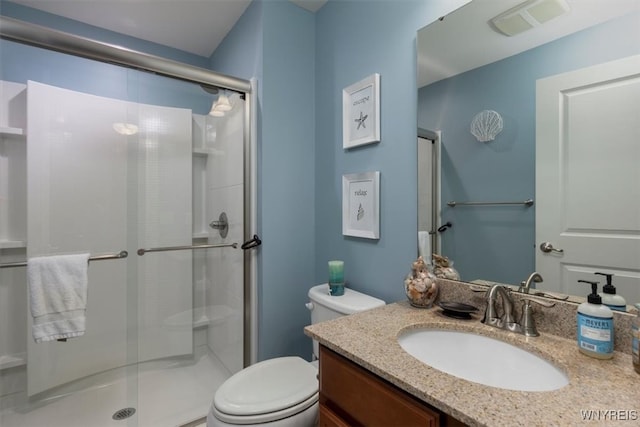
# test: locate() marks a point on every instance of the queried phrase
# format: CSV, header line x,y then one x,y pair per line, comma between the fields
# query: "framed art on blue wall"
x,y
361,112
361,205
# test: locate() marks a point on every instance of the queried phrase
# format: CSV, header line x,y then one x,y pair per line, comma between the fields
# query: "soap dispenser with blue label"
x,y
595,326
609,297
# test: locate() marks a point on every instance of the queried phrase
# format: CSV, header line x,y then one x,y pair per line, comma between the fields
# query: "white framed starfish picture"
x,y
361,205
361,112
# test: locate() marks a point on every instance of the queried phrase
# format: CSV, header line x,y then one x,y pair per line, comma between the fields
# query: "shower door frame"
x,y
43,37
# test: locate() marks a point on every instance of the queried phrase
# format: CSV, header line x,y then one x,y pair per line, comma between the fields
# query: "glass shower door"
x,y
111,170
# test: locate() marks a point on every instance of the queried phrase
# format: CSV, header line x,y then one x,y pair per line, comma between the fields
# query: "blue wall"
x,y
274,41
240,53
355,39
498,243
287,178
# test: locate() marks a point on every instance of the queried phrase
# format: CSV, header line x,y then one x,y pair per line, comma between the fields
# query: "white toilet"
x,y
283,392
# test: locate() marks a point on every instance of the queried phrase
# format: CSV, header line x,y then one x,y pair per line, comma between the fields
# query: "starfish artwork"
x,y
361,120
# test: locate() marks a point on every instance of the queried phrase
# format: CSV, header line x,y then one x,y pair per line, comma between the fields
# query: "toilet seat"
x,y
267,391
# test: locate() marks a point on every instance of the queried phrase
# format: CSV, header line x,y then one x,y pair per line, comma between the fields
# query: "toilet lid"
x,y
268,386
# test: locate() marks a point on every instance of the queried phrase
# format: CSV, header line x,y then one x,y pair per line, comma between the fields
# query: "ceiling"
x,y
464,39
195,26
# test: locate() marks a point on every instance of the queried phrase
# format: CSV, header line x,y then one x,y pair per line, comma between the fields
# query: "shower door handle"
x,y
253,243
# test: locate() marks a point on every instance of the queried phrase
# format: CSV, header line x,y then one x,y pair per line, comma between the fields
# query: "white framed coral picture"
x,y
361,205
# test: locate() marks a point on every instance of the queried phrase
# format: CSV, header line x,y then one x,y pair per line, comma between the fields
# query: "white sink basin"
x,y
482,360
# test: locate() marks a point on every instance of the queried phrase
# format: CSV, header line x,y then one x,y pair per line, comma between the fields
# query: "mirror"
x,y
468,65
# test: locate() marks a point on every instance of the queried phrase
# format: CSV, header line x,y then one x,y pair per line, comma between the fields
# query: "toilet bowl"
x,y
276,392
283,392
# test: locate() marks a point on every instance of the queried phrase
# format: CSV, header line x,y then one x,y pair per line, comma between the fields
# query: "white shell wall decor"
x,y
486,125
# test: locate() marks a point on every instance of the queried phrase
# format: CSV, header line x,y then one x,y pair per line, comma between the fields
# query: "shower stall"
x,y
145,165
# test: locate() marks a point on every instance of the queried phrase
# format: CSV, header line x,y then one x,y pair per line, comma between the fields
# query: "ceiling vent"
x,y
528,15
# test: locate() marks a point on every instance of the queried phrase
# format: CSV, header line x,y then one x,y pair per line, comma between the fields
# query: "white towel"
x,y
424,246
58,296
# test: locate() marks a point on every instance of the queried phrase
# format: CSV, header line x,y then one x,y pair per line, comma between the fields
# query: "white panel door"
x,y
91,189
588,177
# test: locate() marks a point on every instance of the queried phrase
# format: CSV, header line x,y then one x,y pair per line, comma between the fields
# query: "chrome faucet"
x,y
526,284
507,321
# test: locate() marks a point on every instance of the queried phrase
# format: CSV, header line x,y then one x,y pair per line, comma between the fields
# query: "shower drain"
x,y
123,414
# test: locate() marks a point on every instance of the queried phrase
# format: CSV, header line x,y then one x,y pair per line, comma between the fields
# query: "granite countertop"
x,y
370,340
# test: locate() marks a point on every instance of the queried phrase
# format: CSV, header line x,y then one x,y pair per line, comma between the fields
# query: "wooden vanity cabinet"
x,y
353,396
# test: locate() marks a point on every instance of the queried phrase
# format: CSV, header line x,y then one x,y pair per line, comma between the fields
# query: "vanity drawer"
x,y
351,395
329,419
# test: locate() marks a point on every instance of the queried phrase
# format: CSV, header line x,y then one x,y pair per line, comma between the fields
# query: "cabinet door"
x,y
358,397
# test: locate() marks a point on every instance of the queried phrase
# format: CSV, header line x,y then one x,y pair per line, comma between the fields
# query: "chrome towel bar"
x,y
121,254
184,248
527,203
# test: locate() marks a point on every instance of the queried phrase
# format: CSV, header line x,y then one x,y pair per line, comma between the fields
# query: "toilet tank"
x,y
326,307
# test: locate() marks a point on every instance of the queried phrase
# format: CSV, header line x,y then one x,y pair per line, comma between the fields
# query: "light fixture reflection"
x,y
223,103
125,128
220,106
215,112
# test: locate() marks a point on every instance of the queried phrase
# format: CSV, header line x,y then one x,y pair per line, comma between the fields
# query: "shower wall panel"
x,y
164,215
77,184
225,193
13,236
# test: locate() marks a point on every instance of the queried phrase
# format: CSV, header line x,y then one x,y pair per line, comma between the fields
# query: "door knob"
x,y
548,247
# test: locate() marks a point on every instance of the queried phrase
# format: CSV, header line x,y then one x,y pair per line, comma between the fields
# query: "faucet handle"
x,y
527,322
527,300
522,289
479,288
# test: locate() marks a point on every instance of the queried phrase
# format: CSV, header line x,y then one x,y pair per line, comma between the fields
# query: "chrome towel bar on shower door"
x,y
527,203
121,254
184,248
